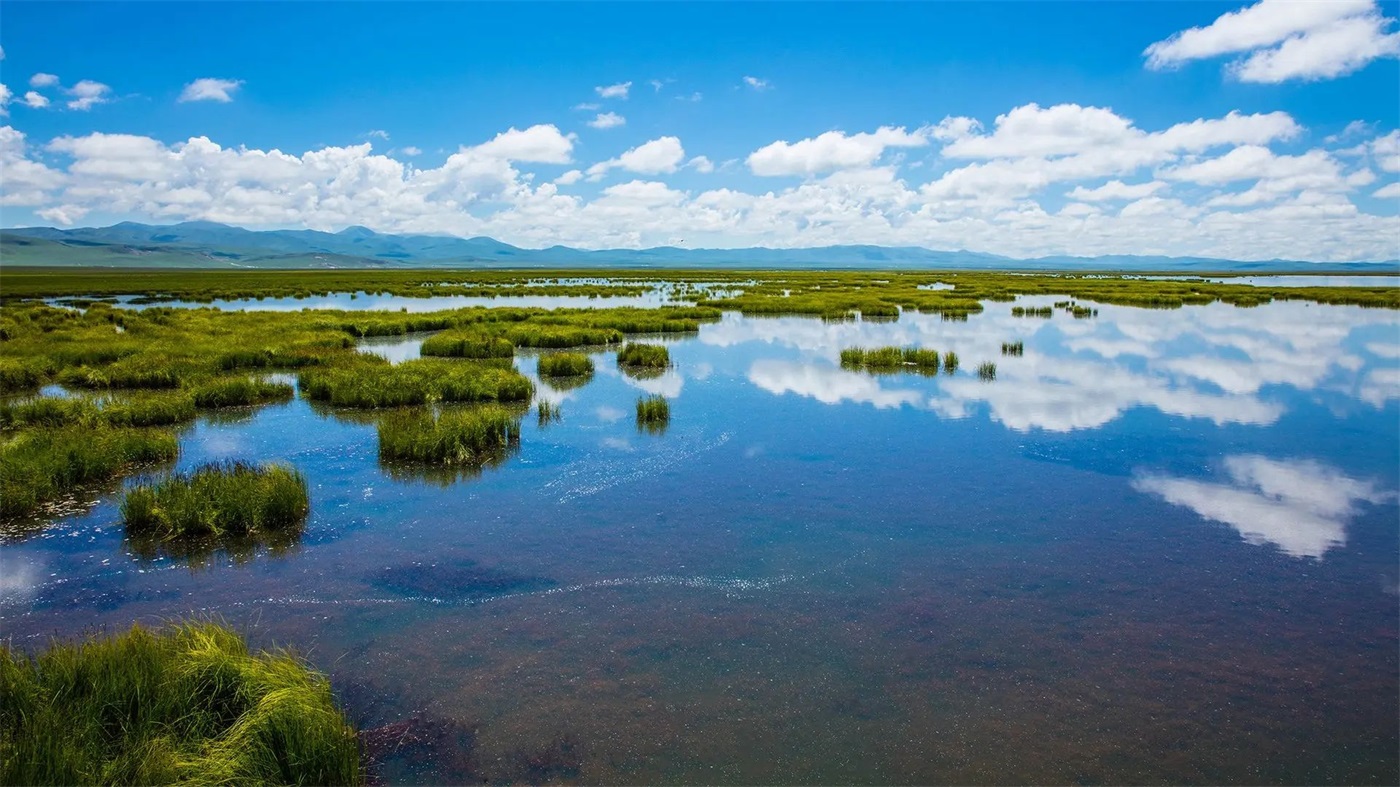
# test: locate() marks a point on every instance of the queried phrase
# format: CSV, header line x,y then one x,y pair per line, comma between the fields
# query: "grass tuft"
x,y
220,499
653,414
188,704
470,437
458,344
549,412
241,391
987,371
39,465
1013,348
565,365
890,359
645,356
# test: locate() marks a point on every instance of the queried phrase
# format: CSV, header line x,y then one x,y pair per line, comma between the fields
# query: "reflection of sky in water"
x,y
366,302
1161,546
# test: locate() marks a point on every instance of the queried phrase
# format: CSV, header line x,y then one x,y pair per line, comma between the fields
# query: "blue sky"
x,y
898,105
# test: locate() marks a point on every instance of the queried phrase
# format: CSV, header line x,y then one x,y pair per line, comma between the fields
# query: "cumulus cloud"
x,y
211,89
833,150
607,120
1235,192
35,100
1286,40
5,97
411,150
1300,506
88,94
619,90
43,80
659,156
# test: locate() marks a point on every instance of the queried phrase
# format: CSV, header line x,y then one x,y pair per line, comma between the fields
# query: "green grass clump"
x,y
38,465
151,409
372,383
467,345
646,356
890,359
189,704
19,376
565,365
531,334
1013,348
240,391
1042,311
950,362
653,413
987,371
218,499
475,437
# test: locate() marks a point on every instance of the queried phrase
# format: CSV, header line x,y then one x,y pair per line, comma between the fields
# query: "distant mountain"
x,y
206,244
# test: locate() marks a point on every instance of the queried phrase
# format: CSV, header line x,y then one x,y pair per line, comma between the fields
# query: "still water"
x,y
1160,546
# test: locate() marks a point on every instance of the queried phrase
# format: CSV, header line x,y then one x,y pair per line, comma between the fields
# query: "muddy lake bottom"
x,y
1161,546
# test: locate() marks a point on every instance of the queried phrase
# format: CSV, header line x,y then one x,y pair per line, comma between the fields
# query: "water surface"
x,y
1160,546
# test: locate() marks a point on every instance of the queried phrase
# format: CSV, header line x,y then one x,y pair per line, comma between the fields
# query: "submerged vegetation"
x,y
231,499
188,704
890,359
476,437
653,414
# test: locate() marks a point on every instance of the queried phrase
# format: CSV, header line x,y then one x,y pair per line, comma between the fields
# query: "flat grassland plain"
x,y
874,527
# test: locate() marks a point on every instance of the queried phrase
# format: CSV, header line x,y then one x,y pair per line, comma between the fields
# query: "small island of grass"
x,y
471,437
653,414
222,499
891,359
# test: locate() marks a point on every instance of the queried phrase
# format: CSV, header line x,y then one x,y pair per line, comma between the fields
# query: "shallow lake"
x,y
1160,546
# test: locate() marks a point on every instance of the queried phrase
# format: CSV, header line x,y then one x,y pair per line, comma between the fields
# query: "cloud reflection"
x,y
1300,506
827,384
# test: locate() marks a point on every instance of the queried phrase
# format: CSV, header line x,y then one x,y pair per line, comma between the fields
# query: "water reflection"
x,y
1301,506
361,301
1218,362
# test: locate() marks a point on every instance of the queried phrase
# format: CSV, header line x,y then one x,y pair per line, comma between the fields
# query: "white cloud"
x,y
65,215
834,150
87,94
757,83
701,164
569,178
212,89
1117,190
1386,152
43,80
35,100
411,150
1391,191
607,120
1286,39
659,156
692,98
5,97
541,144
587,107
379,133
619,90
1301,506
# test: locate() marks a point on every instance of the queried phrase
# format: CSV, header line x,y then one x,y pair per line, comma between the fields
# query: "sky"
x,y
1232,130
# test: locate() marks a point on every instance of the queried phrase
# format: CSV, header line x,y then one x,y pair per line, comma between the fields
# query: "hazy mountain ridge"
x,y
203,244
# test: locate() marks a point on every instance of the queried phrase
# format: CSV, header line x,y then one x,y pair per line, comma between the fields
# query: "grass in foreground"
x,y
653,414
223,499
476,437
189,704
39,465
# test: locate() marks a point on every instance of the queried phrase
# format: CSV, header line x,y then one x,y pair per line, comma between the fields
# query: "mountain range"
x,y
204,244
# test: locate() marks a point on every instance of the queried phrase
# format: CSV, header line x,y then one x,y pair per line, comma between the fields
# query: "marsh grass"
x,y
532,334
189,704
216,500
372,383
39,465
987,371
548,412
459,344
1045,312
644,356
950,362
475,437
240,391
565,365
1013,348
653,414
890,359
